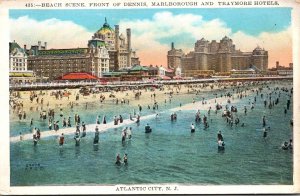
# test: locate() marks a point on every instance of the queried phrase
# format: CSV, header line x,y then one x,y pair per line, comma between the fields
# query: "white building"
x,y
17,57
162,71
178,71
18,72
102,57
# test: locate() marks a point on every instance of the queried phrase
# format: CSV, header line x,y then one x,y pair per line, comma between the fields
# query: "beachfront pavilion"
x,y
78,76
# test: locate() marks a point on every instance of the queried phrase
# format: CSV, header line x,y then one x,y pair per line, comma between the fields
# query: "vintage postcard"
x,y
149,97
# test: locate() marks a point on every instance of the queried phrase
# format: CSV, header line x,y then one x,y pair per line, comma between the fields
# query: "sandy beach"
x,y
148,97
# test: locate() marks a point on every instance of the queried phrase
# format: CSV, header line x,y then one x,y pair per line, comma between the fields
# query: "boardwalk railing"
x,y
61,85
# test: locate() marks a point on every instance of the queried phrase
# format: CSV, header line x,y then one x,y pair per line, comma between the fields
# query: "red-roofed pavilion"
x,y
78,76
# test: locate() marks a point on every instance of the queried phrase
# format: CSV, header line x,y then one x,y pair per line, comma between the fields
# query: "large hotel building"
x,y
209,57
108,50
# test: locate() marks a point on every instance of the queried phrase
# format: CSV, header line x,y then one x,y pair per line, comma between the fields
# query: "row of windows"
x,y
60,61
19,69
67,70
19,60
65,65
19,64
58,66
56,63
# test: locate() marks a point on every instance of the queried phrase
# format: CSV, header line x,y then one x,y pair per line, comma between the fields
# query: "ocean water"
x,y
170,154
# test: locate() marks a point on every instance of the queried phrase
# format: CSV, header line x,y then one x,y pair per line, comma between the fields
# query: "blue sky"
x,y
252,21
270,28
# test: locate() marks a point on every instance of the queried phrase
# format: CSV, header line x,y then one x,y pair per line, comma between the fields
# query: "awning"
x,y
177,78
162,77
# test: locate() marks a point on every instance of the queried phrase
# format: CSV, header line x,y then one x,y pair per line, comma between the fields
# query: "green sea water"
x,y
170,154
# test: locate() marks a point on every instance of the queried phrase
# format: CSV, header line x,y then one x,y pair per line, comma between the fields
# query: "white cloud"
x,y
147,35
278,44
57,33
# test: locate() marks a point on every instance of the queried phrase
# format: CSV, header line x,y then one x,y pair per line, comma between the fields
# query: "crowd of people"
x,y
230,92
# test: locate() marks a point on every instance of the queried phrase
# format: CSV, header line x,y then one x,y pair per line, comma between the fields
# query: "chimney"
x,y
128,31
277,64
172,45
39,44
45,44
117,46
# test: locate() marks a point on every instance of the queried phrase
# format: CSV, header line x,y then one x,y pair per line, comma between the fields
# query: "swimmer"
x,y
148,128
77,139
123,135
61,139
38,134
220,136
291,144
35,140
192,128
285,145
125,158
264,121
264,132
221,145
21,136
104,119
96,138
97,120
118,159
129,132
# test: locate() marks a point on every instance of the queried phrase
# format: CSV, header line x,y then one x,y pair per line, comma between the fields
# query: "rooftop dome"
x,y
225,38
258,48
105,29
